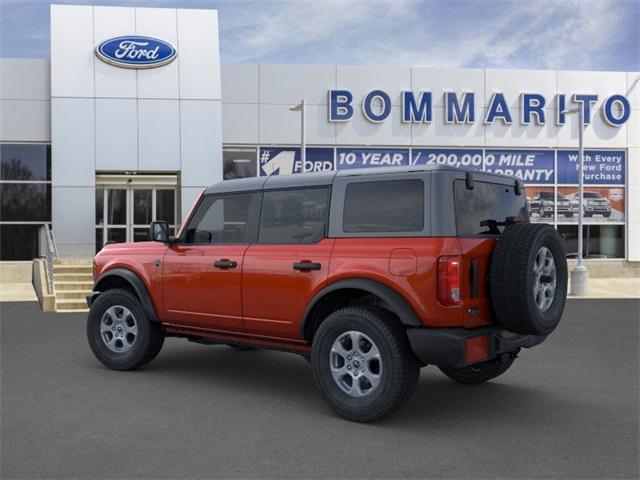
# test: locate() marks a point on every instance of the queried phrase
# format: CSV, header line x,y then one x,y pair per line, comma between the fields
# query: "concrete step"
x,y
71,310
82,285
72,261
72,294
72,277
70,304
66,268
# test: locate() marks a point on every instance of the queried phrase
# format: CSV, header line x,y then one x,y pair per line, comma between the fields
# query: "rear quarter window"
x,y
384,206
487,201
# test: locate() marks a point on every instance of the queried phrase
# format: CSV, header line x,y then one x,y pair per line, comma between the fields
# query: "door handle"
x,y
306,265
225,264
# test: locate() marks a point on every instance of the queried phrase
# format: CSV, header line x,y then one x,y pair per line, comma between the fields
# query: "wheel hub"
x,y
118,329
356,365
544,279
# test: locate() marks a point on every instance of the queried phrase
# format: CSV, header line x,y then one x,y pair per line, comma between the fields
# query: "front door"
x,y
126,207
290,262
202,272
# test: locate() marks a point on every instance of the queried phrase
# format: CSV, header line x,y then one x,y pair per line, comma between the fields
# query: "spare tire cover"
x,y
528,279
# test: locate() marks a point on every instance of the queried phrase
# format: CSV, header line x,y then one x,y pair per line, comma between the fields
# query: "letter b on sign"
x,y
340,109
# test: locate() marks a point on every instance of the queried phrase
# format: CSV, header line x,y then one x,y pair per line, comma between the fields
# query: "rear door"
x,y
485,201
290,262
202,274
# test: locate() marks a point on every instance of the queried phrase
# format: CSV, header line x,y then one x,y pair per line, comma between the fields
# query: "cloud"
x,y
254,30
545,34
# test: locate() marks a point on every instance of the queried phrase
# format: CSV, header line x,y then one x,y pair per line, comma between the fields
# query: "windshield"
x,y
592,195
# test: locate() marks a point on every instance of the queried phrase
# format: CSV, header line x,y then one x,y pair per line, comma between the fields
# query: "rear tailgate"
x,y
494,199
476,257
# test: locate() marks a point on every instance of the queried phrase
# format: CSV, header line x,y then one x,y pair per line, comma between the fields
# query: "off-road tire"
x,y
400,371
481,372
149,338
511,279
606,214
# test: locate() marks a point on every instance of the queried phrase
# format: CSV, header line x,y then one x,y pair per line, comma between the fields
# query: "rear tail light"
x,y
449,269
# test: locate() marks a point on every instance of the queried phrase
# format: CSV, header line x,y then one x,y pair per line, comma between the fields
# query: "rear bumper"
x,y
597,209
448,347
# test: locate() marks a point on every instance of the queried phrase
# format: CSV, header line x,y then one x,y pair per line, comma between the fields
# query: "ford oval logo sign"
x,y
134,51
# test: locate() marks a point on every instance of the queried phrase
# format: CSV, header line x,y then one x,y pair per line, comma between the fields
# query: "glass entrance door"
x,y
124,213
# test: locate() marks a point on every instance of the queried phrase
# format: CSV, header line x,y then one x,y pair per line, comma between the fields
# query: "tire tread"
x,y
409,371
152,340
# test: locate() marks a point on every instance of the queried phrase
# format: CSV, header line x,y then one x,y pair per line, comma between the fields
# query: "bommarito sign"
x,y
460,108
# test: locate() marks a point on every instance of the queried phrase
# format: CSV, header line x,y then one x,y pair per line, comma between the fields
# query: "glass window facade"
x,y
25,198
123,214
239,162
604,217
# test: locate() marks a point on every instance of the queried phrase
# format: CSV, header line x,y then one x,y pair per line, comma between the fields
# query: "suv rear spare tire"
x,y
528,279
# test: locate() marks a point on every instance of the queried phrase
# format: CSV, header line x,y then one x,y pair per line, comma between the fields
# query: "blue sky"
x,y
560,34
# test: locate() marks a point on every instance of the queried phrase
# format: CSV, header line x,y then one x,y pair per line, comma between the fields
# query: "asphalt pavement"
x,y
568,408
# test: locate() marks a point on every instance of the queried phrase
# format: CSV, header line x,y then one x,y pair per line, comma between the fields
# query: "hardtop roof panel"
x,y
326,178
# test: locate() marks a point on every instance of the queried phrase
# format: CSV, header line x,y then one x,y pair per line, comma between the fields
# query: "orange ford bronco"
x,y
370,275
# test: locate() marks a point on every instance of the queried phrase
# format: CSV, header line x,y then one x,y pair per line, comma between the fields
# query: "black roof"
x,y
323,178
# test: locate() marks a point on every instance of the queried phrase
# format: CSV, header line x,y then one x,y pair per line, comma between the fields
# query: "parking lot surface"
x,y
566,409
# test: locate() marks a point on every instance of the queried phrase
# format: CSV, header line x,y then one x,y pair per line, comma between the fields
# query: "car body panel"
x,y
196,293
275,295
139,258
370,258
263,300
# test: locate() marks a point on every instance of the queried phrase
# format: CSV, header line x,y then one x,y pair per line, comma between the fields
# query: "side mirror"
x,y
159,231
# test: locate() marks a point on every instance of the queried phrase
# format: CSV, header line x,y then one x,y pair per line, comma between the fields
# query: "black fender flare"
x,y
136,283
393,299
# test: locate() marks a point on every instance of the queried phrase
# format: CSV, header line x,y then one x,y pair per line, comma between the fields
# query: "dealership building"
x,y
96,149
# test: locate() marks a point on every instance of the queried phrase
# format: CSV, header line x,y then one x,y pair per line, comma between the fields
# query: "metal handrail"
x,y
47,249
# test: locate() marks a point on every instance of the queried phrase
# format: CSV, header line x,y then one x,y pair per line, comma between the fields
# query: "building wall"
x,y
256,101
255,109
110,119
25,100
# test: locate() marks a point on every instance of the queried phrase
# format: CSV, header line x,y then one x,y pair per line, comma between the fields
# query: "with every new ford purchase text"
x,y
446,271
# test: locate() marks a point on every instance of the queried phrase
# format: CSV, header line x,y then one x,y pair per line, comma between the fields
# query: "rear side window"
x,y
294,216
221,219
487,201
384,206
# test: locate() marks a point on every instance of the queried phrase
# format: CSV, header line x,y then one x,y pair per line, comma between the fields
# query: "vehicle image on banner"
x,y
594,204
543,204
446,271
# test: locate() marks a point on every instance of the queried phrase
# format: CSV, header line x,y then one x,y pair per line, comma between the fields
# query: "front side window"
x,y
294,216
221,219
384,206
